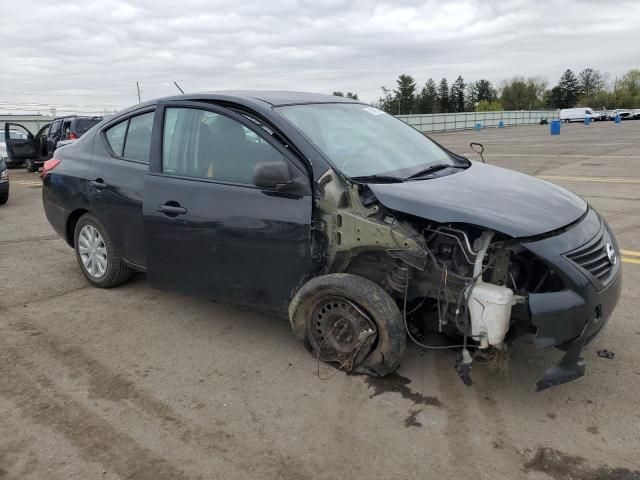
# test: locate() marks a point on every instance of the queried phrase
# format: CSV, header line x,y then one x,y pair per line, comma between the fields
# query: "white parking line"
x,y
23,182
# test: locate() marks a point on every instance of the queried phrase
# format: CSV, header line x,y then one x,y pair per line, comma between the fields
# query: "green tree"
x,y
405,94
554,97
456,96
386,101
485,91
428,97
569,89
338,94
627,91
591,82
522,94
489,106
443,96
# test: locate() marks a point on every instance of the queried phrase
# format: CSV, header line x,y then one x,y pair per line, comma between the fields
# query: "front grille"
x,y
593,256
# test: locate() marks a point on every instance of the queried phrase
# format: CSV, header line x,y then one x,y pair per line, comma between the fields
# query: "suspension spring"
x,y
399,276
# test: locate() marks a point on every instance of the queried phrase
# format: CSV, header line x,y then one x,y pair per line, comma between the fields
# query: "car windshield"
x,y
362,141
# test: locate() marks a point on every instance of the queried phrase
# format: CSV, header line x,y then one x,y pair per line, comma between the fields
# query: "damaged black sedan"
x,y
361,228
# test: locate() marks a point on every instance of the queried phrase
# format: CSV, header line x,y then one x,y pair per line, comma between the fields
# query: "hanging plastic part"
x,y
463,367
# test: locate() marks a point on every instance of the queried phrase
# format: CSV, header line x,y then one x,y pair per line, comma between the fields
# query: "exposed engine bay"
x,y
469,284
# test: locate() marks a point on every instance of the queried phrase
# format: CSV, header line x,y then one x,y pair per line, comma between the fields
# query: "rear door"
x,y
20,142
116,179
52,138
208,230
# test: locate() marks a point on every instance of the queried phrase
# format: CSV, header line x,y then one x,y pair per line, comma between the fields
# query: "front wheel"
x,y
350,322
98,259
31,165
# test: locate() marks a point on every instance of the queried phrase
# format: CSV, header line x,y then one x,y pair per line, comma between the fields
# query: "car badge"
x,y
611,253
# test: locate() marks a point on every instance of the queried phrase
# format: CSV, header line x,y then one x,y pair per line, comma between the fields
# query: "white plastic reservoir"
x,y
490,312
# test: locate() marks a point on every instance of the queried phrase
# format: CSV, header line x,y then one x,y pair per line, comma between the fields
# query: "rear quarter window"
x,y
115,136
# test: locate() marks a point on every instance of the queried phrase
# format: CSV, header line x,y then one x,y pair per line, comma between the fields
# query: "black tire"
x,y
4,197
116,271
31,165
384,357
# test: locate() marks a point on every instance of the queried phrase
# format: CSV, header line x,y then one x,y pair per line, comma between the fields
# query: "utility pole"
x,y
138,87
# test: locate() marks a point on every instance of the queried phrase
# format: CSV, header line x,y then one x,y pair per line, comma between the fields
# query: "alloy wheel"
x,y
93,251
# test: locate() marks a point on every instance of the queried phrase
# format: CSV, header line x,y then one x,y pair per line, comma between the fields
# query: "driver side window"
x,y
203,144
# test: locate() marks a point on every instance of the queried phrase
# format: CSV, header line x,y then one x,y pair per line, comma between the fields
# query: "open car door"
x,y
21,144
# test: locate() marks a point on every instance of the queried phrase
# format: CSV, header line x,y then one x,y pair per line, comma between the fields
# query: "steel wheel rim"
x,y
336,327
93,251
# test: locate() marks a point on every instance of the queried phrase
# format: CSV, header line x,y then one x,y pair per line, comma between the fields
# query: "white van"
x,y
575,114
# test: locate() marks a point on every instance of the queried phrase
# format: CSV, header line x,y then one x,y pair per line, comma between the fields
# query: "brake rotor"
x,y
342,332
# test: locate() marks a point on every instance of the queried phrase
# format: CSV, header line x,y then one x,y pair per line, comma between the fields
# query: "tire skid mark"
x,y
92,436
107,385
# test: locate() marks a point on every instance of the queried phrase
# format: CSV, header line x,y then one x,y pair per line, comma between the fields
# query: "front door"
x,y
208,229
20,142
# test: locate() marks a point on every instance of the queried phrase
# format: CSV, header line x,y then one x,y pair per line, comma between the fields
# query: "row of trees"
x,y
588,88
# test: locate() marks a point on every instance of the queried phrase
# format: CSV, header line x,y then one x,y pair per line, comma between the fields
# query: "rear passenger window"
x,y
115,137
131,138
199,143
138,141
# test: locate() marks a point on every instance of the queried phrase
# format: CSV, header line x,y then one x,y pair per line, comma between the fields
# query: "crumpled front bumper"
x,y
571,318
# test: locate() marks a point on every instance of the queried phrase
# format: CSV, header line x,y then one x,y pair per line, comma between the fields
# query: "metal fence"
x,y
442,122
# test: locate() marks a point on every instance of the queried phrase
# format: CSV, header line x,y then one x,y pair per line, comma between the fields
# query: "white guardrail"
x,y
443,122
437,122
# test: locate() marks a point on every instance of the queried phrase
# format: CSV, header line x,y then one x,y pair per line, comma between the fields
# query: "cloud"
x,y
88,55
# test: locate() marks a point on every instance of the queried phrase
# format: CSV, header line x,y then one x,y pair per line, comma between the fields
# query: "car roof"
x,y
274,98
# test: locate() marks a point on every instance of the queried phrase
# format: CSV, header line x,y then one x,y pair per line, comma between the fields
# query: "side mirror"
x,y
478,148
274,175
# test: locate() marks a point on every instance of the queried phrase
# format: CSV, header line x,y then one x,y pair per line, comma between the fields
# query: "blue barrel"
x,y
555,127
478,127
618,118
500,124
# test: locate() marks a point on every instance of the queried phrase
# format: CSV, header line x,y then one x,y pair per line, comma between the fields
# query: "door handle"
x,y
171,209
98,184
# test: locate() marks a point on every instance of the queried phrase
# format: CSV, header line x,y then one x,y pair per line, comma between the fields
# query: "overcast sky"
x,y
86,55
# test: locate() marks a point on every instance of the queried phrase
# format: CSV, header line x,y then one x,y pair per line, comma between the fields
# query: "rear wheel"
x,y
98,259
350,322
31,165
4,197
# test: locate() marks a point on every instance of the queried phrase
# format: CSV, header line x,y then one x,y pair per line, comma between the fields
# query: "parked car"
x,y
32,150
361,228
599,115
635,113
624,114
4,182
575,114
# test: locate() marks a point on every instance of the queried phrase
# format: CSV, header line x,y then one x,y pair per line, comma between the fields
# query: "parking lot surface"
x,y
135,383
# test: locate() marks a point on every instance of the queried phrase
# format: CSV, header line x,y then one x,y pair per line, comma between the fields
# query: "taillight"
x,y
49,165
73,136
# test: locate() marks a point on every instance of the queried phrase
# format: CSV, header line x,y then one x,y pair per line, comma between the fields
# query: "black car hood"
x,y
509,202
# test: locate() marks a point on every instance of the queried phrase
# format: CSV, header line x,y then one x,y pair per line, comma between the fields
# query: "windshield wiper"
x,y
433,169
378,179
